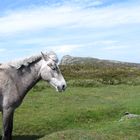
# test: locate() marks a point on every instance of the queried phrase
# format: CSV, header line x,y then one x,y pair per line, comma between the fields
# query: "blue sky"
x,y
106,29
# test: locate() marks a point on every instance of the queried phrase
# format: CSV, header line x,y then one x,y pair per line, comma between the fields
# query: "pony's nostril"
x,y
63,87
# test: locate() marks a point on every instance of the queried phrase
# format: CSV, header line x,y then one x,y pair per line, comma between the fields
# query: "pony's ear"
x,y
44,56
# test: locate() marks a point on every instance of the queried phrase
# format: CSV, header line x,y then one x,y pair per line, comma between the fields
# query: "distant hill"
x,y
89,72
70,60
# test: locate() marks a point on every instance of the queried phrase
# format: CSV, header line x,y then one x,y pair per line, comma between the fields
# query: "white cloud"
x,y
68,16
116,47
2,50
39,41
105,42
64,49
87,3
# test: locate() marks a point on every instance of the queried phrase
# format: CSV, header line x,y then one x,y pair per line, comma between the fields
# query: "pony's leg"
x,y
7,116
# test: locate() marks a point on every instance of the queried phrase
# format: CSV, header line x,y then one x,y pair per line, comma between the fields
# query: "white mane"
x,y
27,61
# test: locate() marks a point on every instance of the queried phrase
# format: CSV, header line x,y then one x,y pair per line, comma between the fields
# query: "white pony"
x,y
17,78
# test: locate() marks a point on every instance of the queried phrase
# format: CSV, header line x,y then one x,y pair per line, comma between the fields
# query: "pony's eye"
x,y
53,68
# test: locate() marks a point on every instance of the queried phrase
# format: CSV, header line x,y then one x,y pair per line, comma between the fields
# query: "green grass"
x,y
97,75
78,114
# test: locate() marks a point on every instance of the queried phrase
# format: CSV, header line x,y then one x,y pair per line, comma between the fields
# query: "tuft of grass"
x,y
74,135
127,130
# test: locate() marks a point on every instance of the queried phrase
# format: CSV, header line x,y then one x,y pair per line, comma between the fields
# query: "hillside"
x,y
89,72
70,60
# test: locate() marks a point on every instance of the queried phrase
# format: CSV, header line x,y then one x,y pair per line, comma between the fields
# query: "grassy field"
x,y
80,113
94,75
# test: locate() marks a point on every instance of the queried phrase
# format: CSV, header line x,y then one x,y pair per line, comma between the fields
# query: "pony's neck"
x,y
30,76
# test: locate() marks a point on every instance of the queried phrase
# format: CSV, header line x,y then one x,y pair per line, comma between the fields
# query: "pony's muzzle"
x,y
61,88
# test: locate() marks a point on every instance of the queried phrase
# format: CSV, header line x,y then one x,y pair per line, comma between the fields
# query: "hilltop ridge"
x,y
70,60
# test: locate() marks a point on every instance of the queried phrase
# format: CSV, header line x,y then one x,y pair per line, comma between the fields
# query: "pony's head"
x,y
50,71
